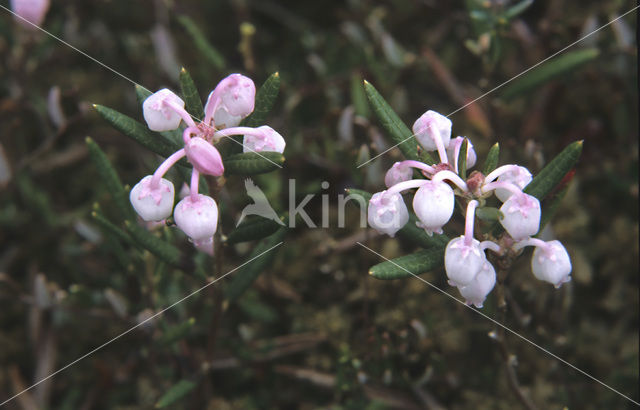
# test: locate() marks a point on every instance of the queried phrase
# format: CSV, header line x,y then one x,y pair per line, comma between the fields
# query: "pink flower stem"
x,y
403,186
238,131
506,185
442,152
186,134
451,176
186,117
195,180
490,245
530,242
499,171
164,167
468,222
211,107
418,165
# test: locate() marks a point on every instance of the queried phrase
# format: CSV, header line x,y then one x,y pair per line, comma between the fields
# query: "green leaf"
x,y
393,125
462,159
406,266
177,332
163,250
252,229
492,159
142,94
552,202
567,62
265,98
250,272
138,132
489,213
109,227
175,393
555,171
193,102
516,9
202,44
410,231
251,163
110,179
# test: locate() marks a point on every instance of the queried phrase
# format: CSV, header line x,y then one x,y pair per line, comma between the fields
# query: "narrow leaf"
x,y
552,202
110,178
552,174
409,265
358,96
517,9
163,250
564,63
265,98
462,159
251,163
393,125
192,100
492,159
410,231
175,393
137,131
202,44
250,272
110,228
252,229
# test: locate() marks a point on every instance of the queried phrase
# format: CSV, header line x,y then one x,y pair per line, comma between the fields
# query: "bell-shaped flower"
x,y
399,172
463,259
521,216
430,126
433,204
551,263
153,202
476,291
264,138
233,98
387,213
223,119
205,157
518,176
453,151
159,113
197,216
33,11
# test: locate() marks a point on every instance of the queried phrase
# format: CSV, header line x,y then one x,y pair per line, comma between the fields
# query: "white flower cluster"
x,y
433,203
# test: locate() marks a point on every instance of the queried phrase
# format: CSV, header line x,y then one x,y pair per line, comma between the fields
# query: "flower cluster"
x,y
228,104
466,263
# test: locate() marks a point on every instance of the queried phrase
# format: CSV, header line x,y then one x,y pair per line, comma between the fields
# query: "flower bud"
x,y
551,263
198,218
387,213
433,204
463,261
424,132
397,173
521,216
205,157
267,139
471,153
518,176
159,116
152,203
477,290
237,95
33,11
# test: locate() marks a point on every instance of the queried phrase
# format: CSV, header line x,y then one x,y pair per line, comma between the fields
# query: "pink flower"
x,y
197,216
399,172
33,11
204,157
232,100
463,259
476,291
264,138
521,216
152,201
430,127
387,213
159,110
433,204
551,263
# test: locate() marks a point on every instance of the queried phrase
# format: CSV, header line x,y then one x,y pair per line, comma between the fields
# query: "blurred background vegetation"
x,y
314,331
